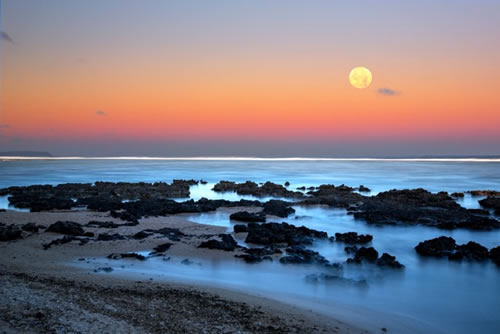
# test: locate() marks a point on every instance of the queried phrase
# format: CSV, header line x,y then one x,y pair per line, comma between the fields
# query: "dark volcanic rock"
x,y
277,208
110,237
163,247
368,254
119,256
387,260
457,195
276,233
263,251
252,188
141,235
364,189
9,232
99,224
240,228
297,254
251,258
245,216
491,203
492,193
419,206
30,227
442,246
66,227
495,255
64,240
471,251
351,249
353,238
227,243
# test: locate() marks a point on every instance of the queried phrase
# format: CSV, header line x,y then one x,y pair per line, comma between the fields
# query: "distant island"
x,y
26,154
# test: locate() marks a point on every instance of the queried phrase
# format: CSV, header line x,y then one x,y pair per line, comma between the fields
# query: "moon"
x,y
360,77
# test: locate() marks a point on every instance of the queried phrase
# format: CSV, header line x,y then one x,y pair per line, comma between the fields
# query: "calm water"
x,y
428,296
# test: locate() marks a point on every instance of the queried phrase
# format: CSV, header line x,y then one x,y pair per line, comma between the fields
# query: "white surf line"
x,y
4,158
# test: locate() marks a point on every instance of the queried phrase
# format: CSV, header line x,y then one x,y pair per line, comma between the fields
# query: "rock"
x,y
103,269
66,227
368,254
110,237
492,193
351,249
30,227
442,246
329,278
119,256
64,240
163,247
250,258
252,188
364,189
227,243
297,254
98,224
240,228
263,251
471,251
173,234
353,238
491,203
457,195
495,255
277,208
10,232
141,235
276,233
187,262
245,216
387,260
287,184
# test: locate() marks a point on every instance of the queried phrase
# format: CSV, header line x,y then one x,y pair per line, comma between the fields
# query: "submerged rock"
x,y
245,216
300,255
387,260
119,256
369,254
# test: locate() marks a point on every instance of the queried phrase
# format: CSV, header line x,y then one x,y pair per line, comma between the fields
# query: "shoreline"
x,y
25,264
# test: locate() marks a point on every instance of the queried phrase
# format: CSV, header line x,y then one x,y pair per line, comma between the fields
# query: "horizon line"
x,y
201,158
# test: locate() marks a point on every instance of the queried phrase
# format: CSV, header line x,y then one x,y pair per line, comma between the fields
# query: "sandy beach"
x,y
41,293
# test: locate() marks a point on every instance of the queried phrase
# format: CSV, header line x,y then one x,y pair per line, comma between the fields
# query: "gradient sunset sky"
x,y
258,78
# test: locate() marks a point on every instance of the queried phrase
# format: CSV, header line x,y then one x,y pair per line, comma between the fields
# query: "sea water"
x,y
429,295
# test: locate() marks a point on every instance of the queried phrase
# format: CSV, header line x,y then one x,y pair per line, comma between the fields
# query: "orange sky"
x,y
247,85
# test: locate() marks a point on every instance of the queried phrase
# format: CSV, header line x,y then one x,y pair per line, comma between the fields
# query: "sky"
x,y
250,78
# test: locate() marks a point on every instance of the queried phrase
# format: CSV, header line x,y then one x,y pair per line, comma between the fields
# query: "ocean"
x,y
429,295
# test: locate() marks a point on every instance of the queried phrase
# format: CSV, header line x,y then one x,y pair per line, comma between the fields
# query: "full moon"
x,y
360,77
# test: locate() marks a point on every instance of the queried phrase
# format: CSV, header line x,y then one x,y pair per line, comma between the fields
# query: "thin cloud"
x,y
388,92
100,113
7,38
4,126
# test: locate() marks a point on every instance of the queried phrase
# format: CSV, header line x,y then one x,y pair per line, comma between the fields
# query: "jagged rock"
x,y
245,216
64,240
119,256
141,235
251,258
263,251
471,251
387,260
491,203
442,246
240,228
297,254
276,233
368,254
9,232
163,247
495,255
457,195
99,224
110,237
227,243
351,249
30,227
277,208
353,238
66,227
364,189
252,188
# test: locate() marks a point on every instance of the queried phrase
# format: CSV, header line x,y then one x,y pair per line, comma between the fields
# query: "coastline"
x,y
29,270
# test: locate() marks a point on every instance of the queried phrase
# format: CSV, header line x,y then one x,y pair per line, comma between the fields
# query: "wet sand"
x,y
40,292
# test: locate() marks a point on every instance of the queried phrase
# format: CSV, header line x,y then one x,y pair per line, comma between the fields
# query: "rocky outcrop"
x,y
495,255
226,243
447,247
277,208
353,238
301,255
9,232
252,188
119,256
364,254
248,217
66,227
268,234
240,228
491,203
387,260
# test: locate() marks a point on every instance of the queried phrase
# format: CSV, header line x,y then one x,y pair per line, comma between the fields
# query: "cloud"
x,y
4,126
100,113
7,38
387,92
